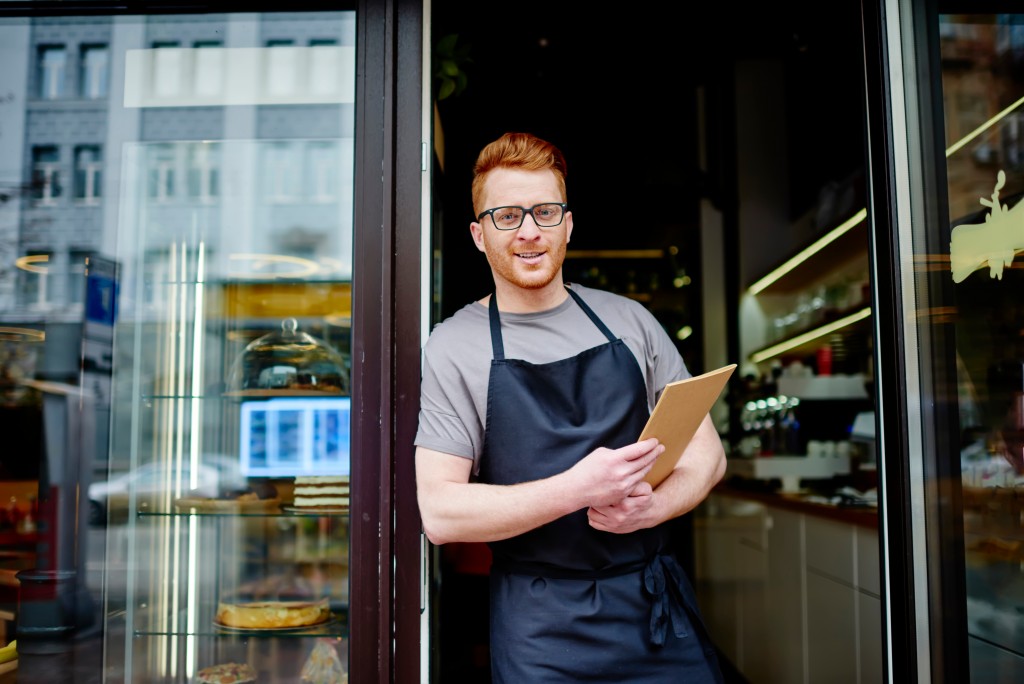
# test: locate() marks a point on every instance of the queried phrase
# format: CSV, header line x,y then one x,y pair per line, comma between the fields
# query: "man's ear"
x,y
568,225
478,234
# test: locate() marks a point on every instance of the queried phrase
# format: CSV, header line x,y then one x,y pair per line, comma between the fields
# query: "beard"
x,y
513,270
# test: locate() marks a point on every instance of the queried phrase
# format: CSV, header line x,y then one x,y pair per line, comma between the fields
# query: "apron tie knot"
x,y
666,584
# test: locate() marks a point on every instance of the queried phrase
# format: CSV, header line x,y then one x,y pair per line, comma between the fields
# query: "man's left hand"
x,y
629,515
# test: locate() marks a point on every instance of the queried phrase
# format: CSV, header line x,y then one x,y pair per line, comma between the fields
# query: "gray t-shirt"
x,y
457,360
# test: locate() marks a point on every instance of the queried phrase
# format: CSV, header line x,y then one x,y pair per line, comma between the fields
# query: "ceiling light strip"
x,y
804,338
808,252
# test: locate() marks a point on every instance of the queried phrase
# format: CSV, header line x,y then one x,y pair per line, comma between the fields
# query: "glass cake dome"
x,y
288,361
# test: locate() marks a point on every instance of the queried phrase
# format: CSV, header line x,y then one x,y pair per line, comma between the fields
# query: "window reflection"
x,y
52,71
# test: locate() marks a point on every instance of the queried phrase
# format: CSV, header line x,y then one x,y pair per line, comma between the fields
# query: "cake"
x,y
321,491
226,673
273,614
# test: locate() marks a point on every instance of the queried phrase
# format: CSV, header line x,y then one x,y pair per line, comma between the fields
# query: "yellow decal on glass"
x,y
994,242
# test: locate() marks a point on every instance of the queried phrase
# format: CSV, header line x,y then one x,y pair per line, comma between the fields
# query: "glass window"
x,y
88,173
982,95
194,199
161,168
34,278
53,62
208,68
46,176
94,64
204,171
282,67
78,259
168,64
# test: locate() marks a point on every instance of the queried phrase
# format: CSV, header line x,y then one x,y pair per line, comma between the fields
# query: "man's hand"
x,y
628,515
608,476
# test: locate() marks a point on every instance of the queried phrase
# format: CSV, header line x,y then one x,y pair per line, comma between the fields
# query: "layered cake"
x,y
273,614
321,491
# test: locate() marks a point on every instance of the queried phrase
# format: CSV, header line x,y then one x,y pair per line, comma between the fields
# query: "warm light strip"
x,y
195,434
775,350
30,334
615,254
982,128
28,263
808,252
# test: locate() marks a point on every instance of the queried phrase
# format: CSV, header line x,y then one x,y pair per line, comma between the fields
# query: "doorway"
x,y
646,113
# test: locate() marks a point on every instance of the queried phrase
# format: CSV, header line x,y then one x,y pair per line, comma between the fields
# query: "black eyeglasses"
x,y
546,215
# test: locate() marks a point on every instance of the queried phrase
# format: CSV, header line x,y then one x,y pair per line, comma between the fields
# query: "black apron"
x,y
570,603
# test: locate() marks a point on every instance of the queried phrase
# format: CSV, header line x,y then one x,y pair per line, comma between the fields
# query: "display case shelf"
x,y
335,629
290,515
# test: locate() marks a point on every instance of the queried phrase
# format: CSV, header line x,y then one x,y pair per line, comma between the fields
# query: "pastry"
x,y
226,673
323,665
272,614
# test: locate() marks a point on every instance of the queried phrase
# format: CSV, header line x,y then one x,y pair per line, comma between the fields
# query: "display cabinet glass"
x,y
229,229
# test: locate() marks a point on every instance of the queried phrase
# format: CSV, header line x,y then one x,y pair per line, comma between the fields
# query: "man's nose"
x,y
529,230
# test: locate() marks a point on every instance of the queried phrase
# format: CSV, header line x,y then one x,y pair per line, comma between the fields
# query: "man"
x,y
531,402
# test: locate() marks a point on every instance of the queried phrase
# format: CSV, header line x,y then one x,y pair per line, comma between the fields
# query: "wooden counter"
x,y
862,517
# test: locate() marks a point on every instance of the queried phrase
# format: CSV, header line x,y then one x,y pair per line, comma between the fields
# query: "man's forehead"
x,y
504,184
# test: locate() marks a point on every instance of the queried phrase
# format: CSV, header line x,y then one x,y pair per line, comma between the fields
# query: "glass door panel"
x,y
982,97
177,203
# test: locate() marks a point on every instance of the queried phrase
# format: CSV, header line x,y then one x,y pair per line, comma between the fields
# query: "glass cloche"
x,y
288,361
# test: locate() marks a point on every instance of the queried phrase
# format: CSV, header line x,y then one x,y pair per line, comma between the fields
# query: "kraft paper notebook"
x,y
677,415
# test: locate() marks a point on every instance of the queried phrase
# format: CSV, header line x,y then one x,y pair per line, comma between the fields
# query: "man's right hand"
x,y
610,475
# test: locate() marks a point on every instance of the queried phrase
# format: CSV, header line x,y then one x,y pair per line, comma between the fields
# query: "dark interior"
x,y
616,90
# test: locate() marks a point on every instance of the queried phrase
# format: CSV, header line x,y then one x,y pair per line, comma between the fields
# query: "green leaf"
x,y
447,88
449,68
446,45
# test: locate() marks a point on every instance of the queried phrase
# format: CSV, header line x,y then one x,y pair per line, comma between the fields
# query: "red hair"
x,y
517,151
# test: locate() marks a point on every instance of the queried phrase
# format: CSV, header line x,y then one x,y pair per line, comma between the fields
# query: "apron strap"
x,y
498,347
590,314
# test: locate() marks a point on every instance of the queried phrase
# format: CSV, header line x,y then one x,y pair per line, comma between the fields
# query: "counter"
x,y
798,503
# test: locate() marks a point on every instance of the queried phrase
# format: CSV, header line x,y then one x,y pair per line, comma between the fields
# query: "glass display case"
x,y
230,267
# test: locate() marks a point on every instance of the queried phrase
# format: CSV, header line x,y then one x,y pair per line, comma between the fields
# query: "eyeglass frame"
x,y
486,212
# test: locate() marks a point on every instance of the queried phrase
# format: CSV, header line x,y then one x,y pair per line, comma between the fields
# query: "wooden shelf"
x,y
806,342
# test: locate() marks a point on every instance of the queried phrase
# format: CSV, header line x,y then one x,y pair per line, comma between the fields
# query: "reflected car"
x,y
109,500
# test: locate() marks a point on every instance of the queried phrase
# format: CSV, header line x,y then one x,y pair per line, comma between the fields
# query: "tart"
x,y
272,614
226,673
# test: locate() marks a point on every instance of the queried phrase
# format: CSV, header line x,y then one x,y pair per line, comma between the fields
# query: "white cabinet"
x,y
789,597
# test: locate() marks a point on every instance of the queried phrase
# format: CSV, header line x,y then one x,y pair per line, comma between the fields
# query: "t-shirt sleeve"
x,y
665,364
446,408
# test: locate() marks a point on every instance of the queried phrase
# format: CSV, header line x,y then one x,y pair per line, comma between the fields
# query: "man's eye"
x,y
507,215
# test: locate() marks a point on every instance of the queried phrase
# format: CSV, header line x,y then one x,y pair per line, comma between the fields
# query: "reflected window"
x,y
161,174
167,68
88,170
281,177
282,67
34,278
46,180
204,172
323,171
208,68
53,62
77,261
94,64
323,66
